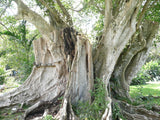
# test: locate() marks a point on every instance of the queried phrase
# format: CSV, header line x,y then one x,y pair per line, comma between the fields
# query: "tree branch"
x,y
55,19
108,13
84,6
91,2
4,10
65,13
4,26
98,8
25,13
142,13
127,13
116,6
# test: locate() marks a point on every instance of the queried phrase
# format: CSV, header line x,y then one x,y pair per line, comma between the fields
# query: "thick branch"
x,y
25,13
142,13
55,18
149,32
127,18
65,13
108,13
132,58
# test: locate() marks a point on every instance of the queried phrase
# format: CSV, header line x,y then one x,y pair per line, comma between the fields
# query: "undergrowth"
x,y
48,117
95,110
116,112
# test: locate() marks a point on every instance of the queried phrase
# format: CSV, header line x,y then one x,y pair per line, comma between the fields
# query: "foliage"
x,y
153,11
149,72
94,110
99,25
17,47
48,117
117,112
153,69
141,78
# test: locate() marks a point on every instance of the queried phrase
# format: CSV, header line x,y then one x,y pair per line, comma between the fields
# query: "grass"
x,y
148,90
7,114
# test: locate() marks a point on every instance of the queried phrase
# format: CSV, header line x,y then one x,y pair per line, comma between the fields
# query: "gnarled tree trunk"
x,y
132,58
63,68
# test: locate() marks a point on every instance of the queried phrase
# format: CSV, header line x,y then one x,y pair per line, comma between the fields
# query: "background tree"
x,y
63,57
16,51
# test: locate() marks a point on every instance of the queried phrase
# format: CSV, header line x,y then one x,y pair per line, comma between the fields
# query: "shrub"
x,y
94,110
117,114
149,72
48,117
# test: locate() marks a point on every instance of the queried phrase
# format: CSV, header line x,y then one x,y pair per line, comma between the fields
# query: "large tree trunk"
x,y
115,58
116,35
62,69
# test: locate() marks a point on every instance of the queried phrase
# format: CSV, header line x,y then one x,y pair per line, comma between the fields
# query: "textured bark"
x,y
114,39
63,67
117,33
108,112
56,72
132,59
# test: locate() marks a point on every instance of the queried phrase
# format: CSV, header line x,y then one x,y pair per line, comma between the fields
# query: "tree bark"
x,y
56,73
63,67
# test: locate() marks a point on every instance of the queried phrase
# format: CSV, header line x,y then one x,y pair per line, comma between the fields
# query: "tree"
x,y
63,57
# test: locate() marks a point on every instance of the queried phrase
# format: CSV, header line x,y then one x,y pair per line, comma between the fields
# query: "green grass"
x,y
138,91
149,89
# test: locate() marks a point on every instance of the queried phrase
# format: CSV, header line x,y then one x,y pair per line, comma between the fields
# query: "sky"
x,y
84,23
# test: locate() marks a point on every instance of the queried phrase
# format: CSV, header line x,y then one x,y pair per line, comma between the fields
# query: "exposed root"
x,y
137,112
129,116
44,107
66,112
32,108
108,112
156,108
34,89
